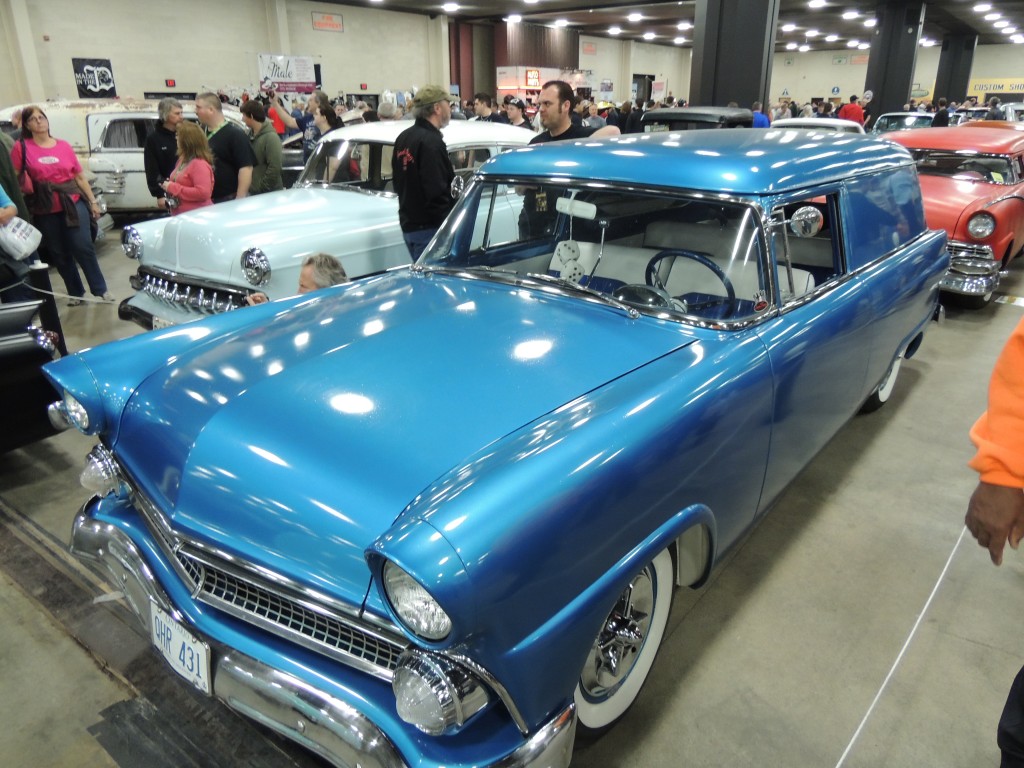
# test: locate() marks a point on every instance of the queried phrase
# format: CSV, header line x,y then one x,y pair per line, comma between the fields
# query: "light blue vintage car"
x,y
435,517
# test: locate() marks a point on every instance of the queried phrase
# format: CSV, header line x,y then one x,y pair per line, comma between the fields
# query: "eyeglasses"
x,y
37,118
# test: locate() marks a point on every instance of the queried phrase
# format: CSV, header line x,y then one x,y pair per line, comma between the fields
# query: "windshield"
x,y
363,164
902,122
675,256
991,168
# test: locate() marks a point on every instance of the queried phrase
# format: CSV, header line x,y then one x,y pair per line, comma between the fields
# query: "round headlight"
x,y
131,243
420,613
981,225
434,694
76,412
256,266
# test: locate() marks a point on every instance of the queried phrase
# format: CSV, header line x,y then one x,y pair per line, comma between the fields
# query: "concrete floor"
x,y
795,654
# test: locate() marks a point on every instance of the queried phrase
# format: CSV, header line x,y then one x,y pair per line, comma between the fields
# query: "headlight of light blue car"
x,y
256,266
131,243
71,412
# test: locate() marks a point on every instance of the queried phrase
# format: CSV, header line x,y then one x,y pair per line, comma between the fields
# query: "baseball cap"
x,y
517,103
430,94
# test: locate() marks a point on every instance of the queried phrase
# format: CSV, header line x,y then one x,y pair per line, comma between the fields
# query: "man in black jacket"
x,y
423,172
161,150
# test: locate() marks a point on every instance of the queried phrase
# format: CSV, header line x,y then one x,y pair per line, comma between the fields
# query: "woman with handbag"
x,y
61,202
190,184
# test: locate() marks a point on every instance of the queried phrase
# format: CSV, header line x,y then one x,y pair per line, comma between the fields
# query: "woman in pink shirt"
x,y
43,161
191,181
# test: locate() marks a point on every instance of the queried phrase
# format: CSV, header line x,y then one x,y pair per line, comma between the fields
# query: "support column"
x,y
955,63
733,49
893,54
25,51
278,35
438,56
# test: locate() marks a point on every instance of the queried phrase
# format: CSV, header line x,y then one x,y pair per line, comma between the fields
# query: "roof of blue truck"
x,y
734,160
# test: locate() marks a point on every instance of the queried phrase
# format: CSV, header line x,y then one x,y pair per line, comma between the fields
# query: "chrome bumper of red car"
x,y
972,270
278,700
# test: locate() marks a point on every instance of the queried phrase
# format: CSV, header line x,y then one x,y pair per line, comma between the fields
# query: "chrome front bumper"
x,y
972,270
280,701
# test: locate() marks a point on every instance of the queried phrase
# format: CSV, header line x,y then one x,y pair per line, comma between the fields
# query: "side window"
x,y
466,161
885,211
806,256
129,133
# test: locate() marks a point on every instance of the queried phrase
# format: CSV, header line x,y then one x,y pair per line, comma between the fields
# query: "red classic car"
x,y
972,180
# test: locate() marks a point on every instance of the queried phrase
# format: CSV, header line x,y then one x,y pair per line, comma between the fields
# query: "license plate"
x,y
187,655
159,322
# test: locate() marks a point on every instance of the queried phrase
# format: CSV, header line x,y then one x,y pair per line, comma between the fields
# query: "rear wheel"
x,y
624,649
881,395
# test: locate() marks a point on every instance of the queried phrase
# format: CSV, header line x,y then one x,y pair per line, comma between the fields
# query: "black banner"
x,y
95,78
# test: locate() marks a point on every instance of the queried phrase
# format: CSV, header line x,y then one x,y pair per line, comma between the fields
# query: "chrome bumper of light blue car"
x,y
280,701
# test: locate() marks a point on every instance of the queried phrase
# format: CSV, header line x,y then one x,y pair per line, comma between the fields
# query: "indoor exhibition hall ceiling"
x,y
816,24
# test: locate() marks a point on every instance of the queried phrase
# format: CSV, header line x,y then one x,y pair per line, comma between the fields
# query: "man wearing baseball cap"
x,y
423,172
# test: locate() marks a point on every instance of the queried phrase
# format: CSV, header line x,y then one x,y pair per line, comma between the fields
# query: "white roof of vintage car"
x,y
457,132
820,123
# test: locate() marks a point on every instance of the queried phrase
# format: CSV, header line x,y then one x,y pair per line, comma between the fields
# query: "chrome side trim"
x,y
551,747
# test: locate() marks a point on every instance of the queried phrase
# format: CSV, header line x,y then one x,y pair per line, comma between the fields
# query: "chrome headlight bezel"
x,y
101,474
981,225
414,607
131,243
256,267
435,694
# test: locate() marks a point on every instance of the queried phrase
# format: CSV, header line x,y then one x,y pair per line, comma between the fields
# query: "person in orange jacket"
x,y
995,513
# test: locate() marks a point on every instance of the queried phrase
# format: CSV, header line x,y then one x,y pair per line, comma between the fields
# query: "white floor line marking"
x,y
899,656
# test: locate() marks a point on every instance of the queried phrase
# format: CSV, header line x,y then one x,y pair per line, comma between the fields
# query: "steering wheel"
x,y
653,279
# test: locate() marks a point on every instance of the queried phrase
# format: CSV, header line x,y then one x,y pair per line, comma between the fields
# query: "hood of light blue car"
x,y
297,441
208,242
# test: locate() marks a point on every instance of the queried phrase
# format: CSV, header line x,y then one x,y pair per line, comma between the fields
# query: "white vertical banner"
x,y
290,74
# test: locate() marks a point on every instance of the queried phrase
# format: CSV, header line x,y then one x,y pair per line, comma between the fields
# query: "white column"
x,y
278,36
438,55
24,50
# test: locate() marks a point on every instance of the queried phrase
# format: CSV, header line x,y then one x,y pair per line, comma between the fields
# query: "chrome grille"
x,y
959,249
288,616
276,607
184,294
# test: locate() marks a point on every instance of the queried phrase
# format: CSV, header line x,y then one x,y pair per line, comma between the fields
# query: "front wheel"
x,y
624,649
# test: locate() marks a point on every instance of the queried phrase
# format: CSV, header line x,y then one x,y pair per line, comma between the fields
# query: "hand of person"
x,y
7,213
94,210
161,203
995,515
256,298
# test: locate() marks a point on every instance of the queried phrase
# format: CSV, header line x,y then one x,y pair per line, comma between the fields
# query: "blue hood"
x,y
301,438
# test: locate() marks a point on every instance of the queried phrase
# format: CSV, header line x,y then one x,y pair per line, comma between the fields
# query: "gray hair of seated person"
x,y
165,106
327,270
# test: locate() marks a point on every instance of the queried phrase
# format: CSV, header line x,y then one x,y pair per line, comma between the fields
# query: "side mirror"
x,y
458,185
806,221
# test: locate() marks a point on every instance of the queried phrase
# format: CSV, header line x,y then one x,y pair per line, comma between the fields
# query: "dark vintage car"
x,y
25,345
972,177
434,517
694,118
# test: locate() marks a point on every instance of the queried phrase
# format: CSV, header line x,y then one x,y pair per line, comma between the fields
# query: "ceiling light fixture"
x,y
816,4
679,40
992,16
790,46
1001,23
635,17
531,2
649,35
450,7
788,27
853,43
804,48
811,33
1018,39
982,7
515,18
851,15
682,26
561,23
1008,30
615,30
870,22
926,42
863,46
831,38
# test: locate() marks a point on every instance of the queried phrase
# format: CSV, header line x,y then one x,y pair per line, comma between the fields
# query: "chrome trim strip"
x,y
551,747
492,682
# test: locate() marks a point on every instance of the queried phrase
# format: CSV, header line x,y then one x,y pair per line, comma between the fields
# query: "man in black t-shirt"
x,y
555,115
232,153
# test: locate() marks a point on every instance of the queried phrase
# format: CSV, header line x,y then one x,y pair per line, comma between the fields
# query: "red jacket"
x,y
851,111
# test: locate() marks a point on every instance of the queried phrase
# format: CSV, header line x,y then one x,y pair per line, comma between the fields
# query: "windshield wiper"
x,y
574,287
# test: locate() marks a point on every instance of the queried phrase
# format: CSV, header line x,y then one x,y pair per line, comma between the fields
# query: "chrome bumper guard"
x,y
286,704
972,270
